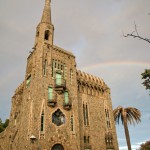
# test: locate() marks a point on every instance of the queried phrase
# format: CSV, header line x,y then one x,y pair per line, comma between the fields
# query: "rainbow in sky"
x,y
143,64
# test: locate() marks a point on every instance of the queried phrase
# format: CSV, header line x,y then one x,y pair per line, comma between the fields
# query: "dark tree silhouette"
x,y
145,146
3,125
135,34
146,77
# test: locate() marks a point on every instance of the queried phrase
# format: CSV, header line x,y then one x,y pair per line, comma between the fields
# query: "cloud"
x,y
134,147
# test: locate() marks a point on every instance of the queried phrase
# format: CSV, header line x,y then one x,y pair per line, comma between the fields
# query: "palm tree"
x,y
127,115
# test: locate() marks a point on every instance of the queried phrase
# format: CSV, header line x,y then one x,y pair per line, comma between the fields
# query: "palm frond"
x,y
117,114
132,115
135,114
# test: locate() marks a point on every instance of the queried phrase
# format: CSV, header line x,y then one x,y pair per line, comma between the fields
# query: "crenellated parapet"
x,y
91,84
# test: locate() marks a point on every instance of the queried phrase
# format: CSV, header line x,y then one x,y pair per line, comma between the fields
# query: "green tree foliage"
x,y
3,125
6,123
145,146
146,77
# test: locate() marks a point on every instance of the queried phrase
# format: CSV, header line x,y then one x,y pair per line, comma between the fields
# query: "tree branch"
x,y
135,34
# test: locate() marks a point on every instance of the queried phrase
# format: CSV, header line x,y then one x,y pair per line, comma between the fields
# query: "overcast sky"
x,y
93,31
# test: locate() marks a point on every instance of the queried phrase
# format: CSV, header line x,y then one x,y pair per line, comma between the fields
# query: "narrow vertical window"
x,y
71,76
61,67
88,139
107,113
72,123
109,124
84,115
84,139
87,117
46,37
65,71
53,68
107,118
45,66
42,121
15,117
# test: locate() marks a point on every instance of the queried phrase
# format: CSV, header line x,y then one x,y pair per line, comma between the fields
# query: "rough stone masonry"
x,y
58,107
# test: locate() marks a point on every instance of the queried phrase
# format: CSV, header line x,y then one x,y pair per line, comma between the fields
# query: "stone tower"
x,y
58,107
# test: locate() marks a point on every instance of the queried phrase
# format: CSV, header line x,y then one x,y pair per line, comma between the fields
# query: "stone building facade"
x,y
58,107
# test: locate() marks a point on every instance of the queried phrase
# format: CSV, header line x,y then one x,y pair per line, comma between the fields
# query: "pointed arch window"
x,y
107,118
42,121
85,115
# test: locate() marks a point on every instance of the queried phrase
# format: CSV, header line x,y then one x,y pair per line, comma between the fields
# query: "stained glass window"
x,y
58,118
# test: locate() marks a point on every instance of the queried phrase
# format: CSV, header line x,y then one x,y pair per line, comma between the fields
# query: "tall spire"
x,y
46,17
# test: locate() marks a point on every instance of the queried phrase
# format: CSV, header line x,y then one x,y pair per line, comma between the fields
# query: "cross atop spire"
x,y
46,17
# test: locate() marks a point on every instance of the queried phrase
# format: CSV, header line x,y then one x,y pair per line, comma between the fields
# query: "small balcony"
x,y
52,99
60,84
67,101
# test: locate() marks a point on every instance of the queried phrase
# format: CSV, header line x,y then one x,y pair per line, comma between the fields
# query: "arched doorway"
x,y
57,147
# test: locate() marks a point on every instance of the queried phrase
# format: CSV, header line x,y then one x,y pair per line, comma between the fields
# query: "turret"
x,y
45,29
